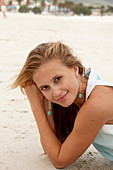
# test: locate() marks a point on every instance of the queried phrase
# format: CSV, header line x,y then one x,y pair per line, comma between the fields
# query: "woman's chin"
x,y
66,104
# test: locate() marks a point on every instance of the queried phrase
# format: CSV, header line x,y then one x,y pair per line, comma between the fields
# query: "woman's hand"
x,y
34,96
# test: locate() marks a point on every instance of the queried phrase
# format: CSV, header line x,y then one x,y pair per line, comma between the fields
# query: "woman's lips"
x,y
63,97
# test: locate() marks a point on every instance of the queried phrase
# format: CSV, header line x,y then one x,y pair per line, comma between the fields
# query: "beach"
x,y
91,39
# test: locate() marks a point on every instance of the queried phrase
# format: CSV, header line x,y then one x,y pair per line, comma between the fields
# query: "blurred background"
x,y
87,27
62,7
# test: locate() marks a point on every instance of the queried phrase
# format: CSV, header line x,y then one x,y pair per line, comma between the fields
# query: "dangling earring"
x,y
80,89
49,107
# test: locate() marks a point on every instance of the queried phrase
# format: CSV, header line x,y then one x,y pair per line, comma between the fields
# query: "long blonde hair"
x,y
41,54
63,117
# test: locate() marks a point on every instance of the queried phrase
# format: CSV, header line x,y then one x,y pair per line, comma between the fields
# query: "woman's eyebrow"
x,y
55,77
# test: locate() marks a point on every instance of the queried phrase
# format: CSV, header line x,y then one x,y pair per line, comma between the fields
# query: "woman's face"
x,y
57,82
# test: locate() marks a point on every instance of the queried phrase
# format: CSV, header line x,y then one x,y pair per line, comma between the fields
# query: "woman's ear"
x,y
76,71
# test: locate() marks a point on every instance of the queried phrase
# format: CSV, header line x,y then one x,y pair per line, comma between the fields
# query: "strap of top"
x,y
93,80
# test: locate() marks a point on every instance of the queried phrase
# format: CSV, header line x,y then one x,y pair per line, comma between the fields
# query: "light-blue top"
x,y
104,140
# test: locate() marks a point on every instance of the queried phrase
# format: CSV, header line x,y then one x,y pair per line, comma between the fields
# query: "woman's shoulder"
x,y
94,80
102,92
101,100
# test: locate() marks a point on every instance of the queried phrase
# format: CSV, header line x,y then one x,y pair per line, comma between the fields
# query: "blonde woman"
x,y
73,108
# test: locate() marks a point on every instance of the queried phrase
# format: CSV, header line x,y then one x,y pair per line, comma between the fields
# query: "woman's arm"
x,y
49,140
49,118
88,123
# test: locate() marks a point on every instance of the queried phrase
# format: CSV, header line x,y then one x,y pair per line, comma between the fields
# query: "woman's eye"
x,y
57,79
44,87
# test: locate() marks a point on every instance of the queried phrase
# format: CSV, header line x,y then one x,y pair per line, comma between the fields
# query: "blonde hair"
x,y
41,54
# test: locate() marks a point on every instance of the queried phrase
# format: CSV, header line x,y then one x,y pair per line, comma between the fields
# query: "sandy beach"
x,y
91,39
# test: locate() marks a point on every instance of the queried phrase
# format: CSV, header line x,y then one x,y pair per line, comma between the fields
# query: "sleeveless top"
x,y
104,140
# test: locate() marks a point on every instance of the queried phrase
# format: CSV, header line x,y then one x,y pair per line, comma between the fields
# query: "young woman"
x,y
72,108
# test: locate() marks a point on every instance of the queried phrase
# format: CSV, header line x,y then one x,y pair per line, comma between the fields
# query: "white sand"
x,y
92,40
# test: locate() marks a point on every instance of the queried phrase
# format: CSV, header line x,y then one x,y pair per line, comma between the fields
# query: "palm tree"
x,y
61,6
55,2
67,6
19,2
70,5
102,10
43,5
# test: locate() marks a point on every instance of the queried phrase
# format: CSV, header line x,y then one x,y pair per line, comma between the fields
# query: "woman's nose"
x,y
56,92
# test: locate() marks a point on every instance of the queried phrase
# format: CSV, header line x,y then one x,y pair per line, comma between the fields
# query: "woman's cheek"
x,y
47,96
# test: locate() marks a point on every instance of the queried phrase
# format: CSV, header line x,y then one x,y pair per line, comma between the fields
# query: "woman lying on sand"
x,y
73,108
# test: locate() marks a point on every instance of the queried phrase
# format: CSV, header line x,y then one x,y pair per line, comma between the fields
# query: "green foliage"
x,y
67,4
110,9
24,9
80,8
70,5
36,10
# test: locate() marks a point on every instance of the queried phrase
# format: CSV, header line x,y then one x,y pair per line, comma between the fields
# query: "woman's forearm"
x,y
49,140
